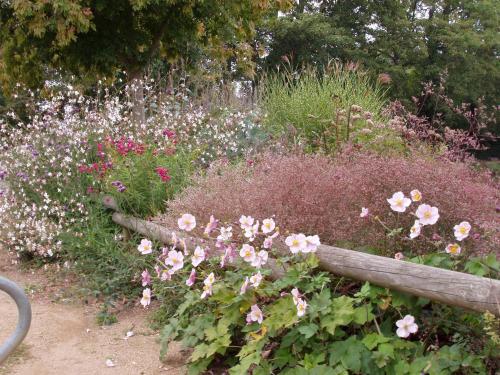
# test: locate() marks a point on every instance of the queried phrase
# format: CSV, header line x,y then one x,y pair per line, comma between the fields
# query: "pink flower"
x,y
406,326
146,297
187,222
192,278
399,202
146,278
312,243
399,256
255,315
453,249
364,212
296,242
211,226
260,259
427,215
244,286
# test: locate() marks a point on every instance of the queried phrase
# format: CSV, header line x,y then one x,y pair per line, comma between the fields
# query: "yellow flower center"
x,y
463,230
427,214
454,249
295,243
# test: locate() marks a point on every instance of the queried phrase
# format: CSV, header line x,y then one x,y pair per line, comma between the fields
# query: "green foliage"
x,y
340,334
103,263
146,193
324,111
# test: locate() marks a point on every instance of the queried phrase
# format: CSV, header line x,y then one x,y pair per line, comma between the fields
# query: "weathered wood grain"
x,y
449,287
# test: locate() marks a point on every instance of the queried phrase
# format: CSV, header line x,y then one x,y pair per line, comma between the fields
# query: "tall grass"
x,y
316,106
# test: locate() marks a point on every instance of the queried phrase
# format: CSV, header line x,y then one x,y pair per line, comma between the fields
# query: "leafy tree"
x,y
411,40
98,37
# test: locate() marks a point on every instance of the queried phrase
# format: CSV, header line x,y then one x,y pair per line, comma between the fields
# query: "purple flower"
x,y
116,183
3,174
121,188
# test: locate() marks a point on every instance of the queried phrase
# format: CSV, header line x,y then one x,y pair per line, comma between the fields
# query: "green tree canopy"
x,y
411,40
99,36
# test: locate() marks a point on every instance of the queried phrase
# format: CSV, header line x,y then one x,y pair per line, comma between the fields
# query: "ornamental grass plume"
x,y
317,194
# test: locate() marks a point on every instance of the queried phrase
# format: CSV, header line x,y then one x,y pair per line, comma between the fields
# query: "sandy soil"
x,y
65,339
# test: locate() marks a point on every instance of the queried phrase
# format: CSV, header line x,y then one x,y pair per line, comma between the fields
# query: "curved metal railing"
x,y
24,320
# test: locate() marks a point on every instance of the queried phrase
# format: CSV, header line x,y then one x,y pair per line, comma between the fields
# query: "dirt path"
x,y
65,339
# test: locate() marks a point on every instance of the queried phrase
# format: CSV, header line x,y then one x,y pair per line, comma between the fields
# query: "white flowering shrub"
x,y
252,299
53,161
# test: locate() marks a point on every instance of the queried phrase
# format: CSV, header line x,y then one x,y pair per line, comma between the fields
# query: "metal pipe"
x,y
24,320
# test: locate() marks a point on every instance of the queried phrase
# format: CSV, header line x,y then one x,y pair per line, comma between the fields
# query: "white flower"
x,y
312,243
246,222
175,259
427,215
364,212
187,222
256,279
399,202
416,196
406,326
255,315
198,256
244,286
296,242
260,259
146,297
225,233
247,252
295,295
110,363
268,226
415,229
462,230
301,307
146,247
453,249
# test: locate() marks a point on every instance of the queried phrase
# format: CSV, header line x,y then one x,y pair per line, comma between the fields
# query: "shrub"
x,y
315,193
324,110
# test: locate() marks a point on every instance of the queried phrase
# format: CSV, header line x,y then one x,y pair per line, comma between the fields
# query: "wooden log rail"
x,y
436,284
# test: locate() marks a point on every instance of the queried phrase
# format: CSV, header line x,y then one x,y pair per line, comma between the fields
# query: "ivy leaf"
x,y
308,330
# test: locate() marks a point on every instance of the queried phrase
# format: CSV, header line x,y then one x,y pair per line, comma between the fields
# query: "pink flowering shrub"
x,y
315,193
244,305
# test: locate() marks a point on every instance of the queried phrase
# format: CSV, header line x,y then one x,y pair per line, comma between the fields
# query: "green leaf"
x,y
308,330
374,339
363,314
348,352
245,363
280,314
342,313
320,303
